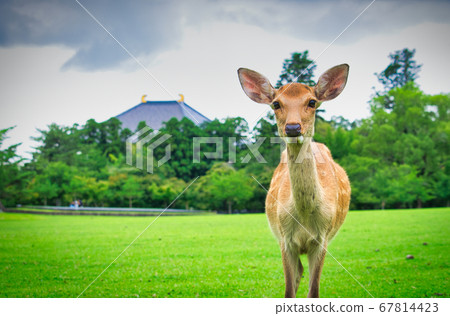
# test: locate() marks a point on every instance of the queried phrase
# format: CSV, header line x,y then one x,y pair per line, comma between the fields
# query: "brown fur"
x,y
331,175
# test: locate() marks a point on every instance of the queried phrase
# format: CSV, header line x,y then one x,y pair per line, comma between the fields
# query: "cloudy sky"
x,y
58,65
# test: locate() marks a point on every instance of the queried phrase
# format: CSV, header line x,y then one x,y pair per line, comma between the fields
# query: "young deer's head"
x,y
294,104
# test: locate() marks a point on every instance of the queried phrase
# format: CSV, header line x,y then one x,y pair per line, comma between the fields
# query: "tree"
x,y
58,143
95,191
164,193
226,186
402,69
299,68
409,187
181,136
131,189
12,178
106,136
44,187
408,143
381,185
360,170
60,174
228,130
337,138
75,188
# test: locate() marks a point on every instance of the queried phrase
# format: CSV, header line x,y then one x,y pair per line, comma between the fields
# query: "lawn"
x,y
217,256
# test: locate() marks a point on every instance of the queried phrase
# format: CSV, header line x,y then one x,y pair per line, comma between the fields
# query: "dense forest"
x,y
397,157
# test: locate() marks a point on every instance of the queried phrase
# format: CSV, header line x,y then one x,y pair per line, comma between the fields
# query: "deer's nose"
x,y
292,130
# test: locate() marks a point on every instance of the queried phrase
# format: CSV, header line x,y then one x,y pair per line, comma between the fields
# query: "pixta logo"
x,y
140,139
141,147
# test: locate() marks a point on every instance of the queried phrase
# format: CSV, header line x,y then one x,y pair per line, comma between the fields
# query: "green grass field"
x,y
217,256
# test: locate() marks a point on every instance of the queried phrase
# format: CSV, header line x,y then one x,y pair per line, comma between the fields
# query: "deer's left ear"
x,y
332,82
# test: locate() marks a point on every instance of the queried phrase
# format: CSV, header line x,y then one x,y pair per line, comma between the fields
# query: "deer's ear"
x,y
256,86
332,82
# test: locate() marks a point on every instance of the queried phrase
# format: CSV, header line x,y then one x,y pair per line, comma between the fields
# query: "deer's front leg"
x,y
293,270
316,260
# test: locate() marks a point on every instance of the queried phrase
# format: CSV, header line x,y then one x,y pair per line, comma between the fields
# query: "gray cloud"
x,y
147,28
144,27
323,20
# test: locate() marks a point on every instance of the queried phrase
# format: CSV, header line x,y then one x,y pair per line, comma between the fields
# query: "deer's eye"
x,y
312,103
276,105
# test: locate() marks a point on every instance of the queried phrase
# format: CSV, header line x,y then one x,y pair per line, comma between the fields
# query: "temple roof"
x,y
154,113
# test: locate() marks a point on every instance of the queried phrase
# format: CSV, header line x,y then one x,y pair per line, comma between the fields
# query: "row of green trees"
x,y
89,163
398,157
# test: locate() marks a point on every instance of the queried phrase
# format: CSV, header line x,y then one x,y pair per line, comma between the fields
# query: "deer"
x,y
309,194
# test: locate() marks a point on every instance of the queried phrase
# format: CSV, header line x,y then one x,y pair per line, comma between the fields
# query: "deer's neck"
x,y
305,186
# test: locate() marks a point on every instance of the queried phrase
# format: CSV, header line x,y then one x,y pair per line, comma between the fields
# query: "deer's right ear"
x,y
256,86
